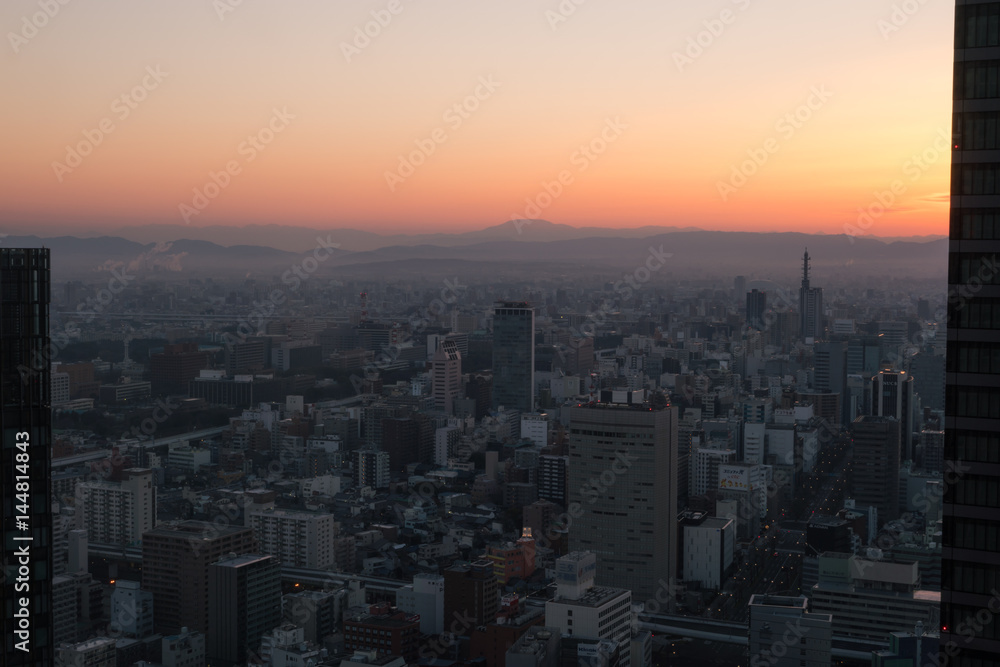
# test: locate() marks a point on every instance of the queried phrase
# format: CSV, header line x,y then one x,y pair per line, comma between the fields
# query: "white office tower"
x,y
425,596
131,610
753,442
535,427
582,610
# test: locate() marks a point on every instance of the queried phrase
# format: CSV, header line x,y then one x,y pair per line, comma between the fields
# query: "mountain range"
x,y
513,247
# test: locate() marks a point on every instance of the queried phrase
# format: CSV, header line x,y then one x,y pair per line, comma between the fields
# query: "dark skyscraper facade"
x,y
756,307
875,476
25,466
971,542
810,305
514,356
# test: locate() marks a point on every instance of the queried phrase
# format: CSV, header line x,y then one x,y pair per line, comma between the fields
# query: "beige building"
x,y
117,512
297,539
622,495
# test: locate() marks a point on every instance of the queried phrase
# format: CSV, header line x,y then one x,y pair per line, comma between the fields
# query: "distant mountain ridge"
x,y
302,239
691,253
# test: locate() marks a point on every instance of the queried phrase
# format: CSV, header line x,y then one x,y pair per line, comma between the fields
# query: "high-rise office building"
x,y
446,376
514,356
830,363
892,396
623,473
756,307
972,405
810,305
876,464
471,591
244,603
553,475
175,561
25,457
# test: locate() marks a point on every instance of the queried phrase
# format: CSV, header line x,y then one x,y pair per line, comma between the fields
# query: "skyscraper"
x,y
810,305
876,464
830,362
25,458
514,356
446,376
972,404
175,562
892,396
244,603
756,307
623,474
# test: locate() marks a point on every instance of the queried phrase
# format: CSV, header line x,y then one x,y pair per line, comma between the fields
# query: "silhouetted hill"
x,y
692,253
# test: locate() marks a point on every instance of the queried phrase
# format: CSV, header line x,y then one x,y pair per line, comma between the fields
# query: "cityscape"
x,y
466,362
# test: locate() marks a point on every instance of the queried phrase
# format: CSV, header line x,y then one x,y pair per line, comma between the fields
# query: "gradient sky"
x,y
560,84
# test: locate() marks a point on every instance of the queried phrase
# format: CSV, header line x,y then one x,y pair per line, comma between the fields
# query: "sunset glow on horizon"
x,y
748,115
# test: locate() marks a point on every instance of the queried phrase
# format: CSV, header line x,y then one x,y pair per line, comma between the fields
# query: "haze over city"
x,y
538,333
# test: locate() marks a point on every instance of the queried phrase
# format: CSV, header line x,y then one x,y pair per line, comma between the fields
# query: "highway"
x,y
732,632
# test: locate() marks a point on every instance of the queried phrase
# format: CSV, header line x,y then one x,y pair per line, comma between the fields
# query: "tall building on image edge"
x,y
514,356
623,476
25,457
971,538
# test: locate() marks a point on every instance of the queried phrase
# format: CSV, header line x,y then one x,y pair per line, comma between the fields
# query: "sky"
x,y
448,115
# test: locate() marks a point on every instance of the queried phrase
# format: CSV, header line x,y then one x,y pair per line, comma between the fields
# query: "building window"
x,y
977,26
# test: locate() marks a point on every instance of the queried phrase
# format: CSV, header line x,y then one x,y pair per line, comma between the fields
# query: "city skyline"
x,y
485,334
300,118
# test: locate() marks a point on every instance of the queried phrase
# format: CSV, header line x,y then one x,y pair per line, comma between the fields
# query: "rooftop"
x,y
596,596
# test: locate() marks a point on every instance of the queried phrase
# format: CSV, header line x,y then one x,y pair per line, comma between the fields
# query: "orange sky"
x,y
333,114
